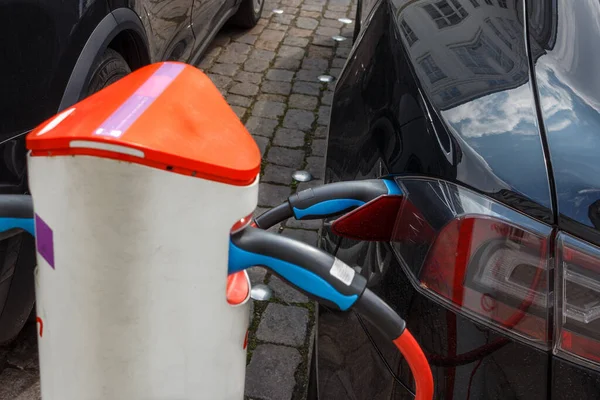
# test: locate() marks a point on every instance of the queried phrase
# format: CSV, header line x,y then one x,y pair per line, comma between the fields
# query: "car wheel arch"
x,y
120,30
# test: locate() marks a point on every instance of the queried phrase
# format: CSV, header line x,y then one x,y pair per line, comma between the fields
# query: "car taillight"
x,y
578,300
477,256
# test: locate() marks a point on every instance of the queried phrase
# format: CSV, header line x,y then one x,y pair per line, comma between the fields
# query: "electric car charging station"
x,y
143,197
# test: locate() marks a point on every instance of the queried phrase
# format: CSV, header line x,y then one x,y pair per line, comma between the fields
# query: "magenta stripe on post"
x,y
120,120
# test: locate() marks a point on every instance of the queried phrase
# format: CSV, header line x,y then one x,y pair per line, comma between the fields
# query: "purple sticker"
x,y
144,96
44,240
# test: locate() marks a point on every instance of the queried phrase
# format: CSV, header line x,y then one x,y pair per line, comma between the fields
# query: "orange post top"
x,y
166,115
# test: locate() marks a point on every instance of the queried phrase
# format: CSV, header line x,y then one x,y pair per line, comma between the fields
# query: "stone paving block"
x,y
230,57
333,7
291,52
257,274
318,147
295,41
326,41
306,23
308,237
308,75
320,52
281,75
235,100
310,14
335,72
225,69
292,158
262,143
260,54
286,63
316,64
254,65
297,32
320,132
268,109
244,89
327,98
348,31
289,138
213,51
290,10
247,38
283,325
285,292
239,111
206,63
303,101
284,19
272,35
312,7
338,62
266,44
327,31
249,77
309,88
220,81
307,185
291,3
272,97
315,166
270,374
332,23
340,2
278,174
342,52
334,14
277,27
221,41
298,119
316,2
272,195
257,30
324,112
261,126
274,87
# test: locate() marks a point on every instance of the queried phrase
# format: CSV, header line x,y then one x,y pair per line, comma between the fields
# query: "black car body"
x,y
488,111
53,54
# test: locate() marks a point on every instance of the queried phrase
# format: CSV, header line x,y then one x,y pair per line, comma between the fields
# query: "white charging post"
x,y
135,192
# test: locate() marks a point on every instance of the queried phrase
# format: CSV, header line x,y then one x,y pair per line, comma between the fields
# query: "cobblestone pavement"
x,y
269,75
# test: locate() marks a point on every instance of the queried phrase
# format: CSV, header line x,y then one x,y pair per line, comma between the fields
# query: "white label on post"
x,y
342,272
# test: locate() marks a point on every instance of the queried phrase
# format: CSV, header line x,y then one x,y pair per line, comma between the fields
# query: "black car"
x,y
55,53
487,112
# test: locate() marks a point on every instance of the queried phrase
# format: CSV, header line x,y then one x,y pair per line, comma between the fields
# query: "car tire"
x,y
17,288
109,68
248,14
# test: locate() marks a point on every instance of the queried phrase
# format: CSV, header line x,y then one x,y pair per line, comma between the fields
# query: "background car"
x,y
55,53
489,113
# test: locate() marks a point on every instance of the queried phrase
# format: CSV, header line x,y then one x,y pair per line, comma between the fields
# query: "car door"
x,y
207,16
168,25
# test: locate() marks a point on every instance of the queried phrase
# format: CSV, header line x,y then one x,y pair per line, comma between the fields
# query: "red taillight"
x,y
477,256
494,269
242,223
578,300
